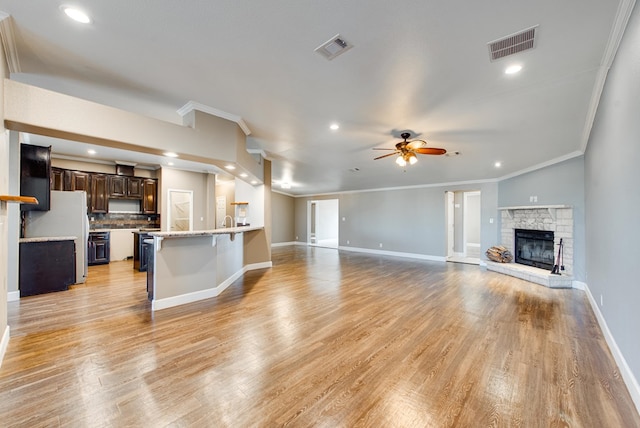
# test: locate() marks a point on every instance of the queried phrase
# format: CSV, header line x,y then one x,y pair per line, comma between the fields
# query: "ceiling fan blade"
x,y
384,156
416,144
430,151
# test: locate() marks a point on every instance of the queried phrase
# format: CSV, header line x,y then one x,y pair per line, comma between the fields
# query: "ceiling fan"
x,y
407,150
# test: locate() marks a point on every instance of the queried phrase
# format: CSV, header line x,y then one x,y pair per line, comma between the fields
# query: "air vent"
x,y
333,47
518,42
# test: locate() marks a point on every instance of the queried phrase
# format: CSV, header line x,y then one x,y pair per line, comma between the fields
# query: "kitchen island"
x,y
188,266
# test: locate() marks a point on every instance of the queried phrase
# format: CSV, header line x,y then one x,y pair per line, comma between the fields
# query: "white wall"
x,y
255,196
4,229
327,219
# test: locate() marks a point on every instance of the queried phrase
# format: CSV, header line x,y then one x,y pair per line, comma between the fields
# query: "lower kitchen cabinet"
x,y
140,251
46,266
99,248
150,261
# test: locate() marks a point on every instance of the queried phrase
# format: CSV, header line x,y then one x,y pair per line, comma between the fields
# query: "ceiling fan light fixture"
x,y
412,158
400,161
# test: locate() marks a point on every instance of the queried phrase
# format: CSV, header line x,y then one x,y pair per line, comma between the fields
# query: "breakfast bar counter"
x,y
187,266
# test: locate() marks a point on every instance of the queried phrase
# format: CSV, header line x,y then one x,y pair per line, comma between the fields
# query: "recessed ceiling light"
x,y
243,175
170,163
91,152
513,69
76,14
285,185
334,127
497,164
254,182
230,167
171,154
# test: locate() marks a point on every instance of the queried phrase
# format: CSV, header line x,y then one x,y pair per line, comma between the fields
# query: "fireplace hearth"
x,y
534,248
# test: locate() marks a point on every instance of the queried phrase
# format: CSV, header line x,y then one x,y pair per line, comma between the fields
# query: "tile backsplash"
x,y
123,221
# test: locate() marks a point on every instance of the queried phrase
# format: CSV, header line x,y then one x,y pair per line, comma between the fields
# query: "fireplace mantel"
x,y
551,208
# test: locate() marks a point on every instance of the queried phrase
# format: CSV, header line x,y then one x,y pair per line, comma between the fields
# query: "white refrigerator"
x,y
67,217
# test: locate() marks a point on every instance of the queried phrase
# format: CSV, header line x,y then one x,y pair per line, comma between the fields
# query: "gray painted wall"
x,y
559,184
612,175
403,220
186,180
283,218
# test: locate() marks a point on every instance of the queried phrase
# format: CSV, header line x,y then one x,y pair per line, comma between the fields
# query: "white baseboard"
x,y
283,244
256,266
579,285
395,253
627,375
13,296
4,343
208,293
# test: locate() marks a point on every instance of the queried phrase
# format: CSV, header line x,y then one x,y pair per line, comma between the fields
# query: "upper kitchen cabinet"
x,y
76,180
125,187
99,193
57,178
149,201
35,176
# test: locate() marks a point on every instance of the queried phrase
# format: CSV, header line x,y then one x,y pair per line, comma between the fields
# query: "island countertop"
x,y
209,232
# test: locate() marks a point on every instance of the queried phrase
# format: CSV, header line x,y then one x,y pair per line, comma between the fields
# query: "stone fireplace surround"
x,y
555,218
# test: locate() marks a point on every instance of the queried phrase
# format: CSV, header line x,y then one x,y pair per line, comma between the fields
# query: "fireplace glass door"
x,y
534,248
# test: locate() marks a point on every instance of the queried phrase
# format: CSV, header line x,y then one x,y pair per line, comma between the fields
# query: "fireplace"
x,y
534,248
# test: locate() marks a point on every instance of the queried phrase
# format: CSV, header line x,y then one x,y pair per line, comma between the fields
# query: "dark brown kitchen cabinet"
x,y
99,248
46,266
149,201
35,176
76,180
125,187
140,251
99,193
57,178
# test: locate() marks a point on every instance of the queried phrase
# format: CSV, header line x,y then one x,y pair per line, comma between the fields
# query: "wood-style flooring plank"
x,y
324,338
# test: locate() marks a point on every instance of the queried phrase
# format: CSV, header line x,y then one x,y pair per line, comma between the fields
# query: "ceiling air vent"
x,y
513,44
333,47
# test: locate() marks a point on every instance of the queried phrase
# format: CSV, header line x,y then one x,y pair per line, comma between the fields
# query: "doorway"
x,y
322,223
463,226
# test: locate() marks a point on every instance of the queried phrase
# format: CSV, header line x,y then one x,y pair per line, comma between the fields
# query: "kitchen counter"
x,y
48,239
208,232
187,266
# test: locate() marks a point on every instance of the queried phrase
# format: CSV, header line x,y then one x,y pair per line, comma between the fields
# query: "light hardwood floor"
x,y
324,338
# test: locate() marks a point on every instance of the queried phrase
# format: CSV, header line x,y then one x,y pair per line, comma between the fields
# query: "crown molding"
x,y
550,162
258,152
192,105
625,7
9,42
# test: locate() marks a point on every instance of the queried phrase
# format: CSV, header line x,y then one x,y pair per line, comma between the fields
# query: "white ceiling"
x,y
419,65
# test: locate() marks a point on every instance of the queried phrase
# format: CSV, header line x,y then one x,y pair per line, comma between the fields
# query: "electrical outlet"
x,y
601,300
296,238
348,242
381,245
491,220
344,219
